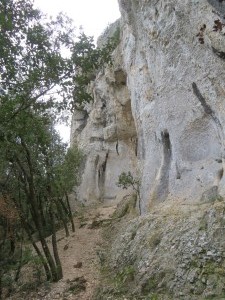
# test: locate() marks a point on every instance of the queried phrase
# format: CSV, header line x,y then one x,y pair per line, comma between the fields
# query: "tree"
x,y
87,59
33,77
31,62
32,180
127,180
37,82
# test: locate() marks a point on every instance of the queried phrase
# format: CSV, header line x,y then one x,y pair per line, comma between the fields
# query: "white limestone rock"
x,y
167,92
106,133
177,88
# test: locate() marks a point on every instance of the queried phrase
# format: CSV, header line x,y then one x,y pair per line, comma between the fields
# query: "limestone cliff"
x,y
105,131
161,106
159,113
177,92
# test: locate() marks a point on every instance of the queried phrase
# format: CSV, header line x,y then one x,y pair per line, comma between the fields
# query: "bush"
x,y
127,180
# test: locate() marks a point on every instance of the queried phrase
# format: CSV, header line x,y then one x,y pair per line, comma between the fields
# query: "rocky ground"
x,y
176,252
80,256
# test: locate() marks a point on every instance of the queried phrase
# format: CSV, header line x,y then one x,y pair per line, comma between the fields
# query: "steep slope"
x,y
175,252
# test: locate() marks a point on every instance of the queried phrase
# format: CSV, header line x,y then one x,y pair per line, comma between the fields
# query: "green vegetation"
x,y
87,59
114,37
37,171
127,180
118,285
154,239
124,276
149,286
77,285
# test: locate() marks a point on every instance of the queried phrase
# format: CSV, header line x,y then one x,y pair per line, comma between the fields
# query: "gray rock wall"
x,y
177,92
105,132
166,92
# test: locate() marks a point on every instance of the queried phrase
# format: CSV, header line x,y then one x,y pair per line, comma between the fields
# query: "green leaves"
x,y
33,67
87,60
126,180
31,60
39,82
36,82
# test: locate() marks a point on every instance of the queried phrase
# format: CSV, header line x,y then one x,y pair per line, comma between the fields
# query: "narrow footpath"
x,y
80,255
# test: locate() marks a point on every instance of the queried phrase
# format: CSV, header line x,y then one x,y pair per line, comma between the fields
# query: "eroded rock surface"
x,y
174,253
177,88
106,133
159,113
165,92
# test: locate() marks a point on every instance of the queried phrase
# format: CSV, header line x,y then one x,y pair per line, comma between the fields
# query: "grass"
x,y
77,285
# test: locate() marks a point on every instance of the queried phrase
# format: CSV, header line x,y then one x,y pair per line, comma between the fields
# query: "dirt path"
x,y
79,257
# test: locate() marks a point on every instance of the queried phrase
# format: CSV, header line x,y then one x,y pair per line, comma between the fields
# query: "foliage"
x,y
37,172
87,59
67,173
114,38
34,73
117,286
34,182
33,70
124,276
30,179
127,180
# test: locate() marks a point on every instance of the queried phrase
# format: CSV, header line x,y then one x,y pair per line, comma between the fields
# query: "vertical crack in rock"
x,y
178,172
162,187
220,174
220,54
141,153
117,146
101,176
208,110
136,146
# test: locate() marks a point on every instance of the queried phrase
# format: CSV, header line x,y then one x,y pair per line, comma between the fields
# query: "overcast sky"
x,y
93,15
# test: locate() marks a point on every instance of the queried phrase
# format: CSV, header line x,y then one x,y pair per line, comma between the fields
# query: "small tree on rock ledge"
x,y
127,180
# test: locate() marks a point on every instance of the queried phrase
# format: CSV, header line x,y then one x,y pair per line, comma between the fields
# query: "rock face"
x,y
106,133
159,113
177,92
166,92
176,252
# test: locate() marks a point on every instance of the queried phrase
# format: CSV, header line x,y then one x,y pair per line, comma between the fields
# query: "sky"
x,y
93,15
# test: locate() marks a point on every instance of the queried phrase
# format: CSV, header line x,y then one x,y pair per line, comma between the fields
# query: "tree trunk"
x,y
62,217
70,212
31,198
45,265
54,246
